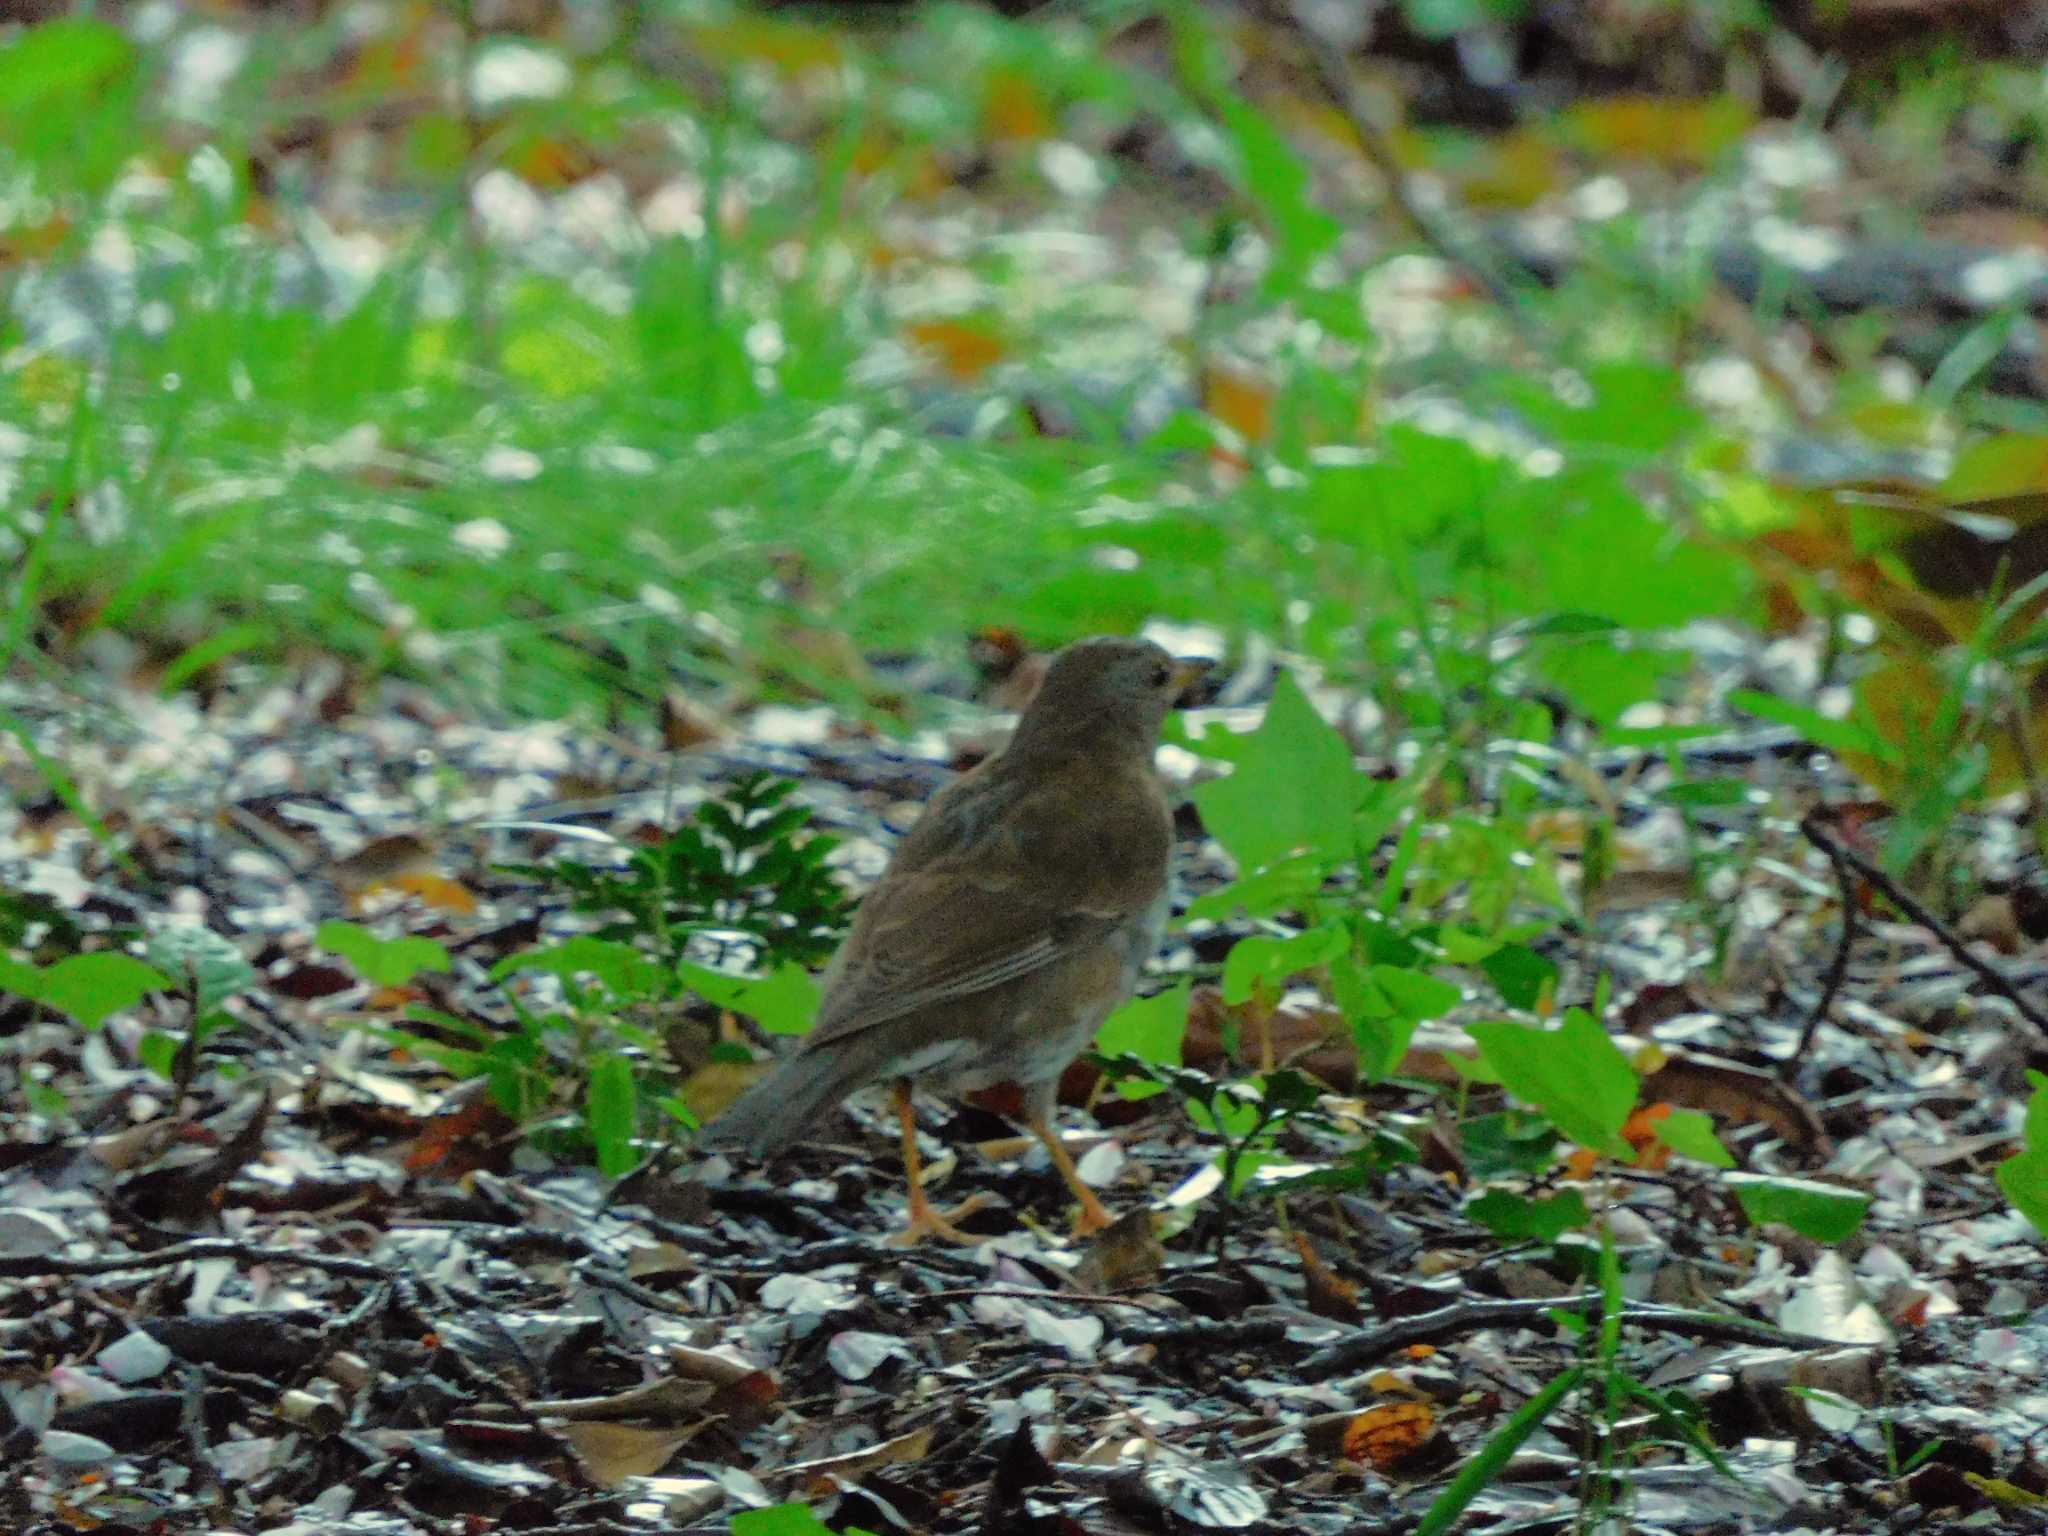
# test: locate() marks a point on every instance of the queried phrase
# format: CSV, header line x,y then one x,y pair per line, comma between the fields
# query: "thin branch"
x,y
28,1266
1911,905
1371,1344
1021,1293
1838,968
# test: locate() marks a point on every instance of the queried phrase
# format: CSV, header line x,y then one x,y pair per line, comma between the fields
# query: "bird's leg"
x,y
1094,1214
924,1220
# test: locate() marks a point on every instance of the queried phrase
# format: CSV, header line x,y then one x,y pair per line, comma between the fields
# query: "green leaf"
x,y
1574,1074
1824,1212
1521,975
158,1051
1485,1467
2024,1176
1384,1004
1412,995
786,1520
1822,731
1705,793
211,961
1513,1143
379,961
1281,887
72,57
1149,1028
1691,1134
610,1110
1294,788
20,979
619,968
1564,624
784,1002
1265,957
1517,1216
89,987
678,1111
45,1100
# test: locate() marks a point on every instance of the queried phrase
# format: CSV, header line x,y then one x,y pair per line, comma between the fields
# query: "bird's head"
x,y
1111,688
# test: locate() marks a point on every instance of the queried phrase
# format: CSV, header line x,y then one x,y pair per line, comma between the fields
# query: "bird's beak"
x,y
1190,675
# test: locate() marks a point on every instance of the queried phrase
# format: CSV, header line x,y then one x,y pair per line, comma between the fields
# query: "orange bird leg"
x,y
1094,1215
924,1220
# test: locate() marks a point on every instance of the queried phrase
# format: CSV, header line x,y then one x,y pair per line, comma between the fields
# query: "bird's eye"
x,y
1161,676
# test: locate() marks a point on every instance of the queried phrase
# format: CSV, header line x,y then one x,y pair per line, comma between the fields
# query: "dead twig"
x,y
1372,1344
1020,1293
1911,905
30,1266
1838,968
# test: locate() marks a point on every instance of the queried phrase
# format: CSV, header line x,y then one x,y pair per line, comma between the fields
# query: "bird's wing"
x,y
976,910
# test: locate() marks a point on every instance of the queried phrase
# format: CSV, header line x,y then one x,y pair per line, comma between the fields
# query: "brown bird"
x,y
1013,918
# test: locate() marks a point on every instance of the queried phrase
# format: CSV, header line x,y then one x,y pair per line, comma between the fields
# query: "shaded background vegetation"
x,y
1474,348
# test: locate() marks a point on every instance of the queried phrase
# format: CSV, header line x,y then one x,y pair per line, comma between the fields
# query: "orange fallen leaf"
x,y
1240,401
965,349
1389,1434
435,891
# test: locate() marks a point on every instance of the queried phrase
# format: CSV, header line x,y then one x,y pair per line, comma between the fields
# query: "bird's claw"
x,y
926,1221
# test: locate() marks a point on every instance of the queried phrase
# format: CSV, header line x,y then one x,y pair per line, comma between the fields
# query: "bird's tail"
x,y
783,1105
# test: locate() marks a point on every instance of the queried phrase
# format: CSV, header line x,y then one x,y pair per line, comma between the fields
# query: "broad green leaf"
x,y
1824,1212
379,961
1513,1143
1574,1075
1522,975
1149,1028
212,961
2024,1176
609,1107
1691,1134
1294,788
1820,729
20,979
1463,947
1381,1036
1412,995
158,1051
1265,957
786,1520
1517,1216
40,66
1283,887
784,1002
89,987
619,968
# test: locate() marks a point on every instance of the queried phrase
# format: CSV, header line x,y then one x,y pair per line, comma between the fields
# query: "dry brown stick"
x,y
1838,968
1911,905
31,1265
1368,1345
1021,1293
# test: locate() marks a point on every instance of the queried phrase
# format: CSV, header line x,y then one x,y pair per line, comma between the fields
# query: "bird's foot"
x,y
927,1221
1095,1216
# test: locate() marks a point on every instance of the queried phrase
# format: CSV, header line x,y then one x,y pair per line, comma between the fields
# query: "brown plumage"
x,y
1013,918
